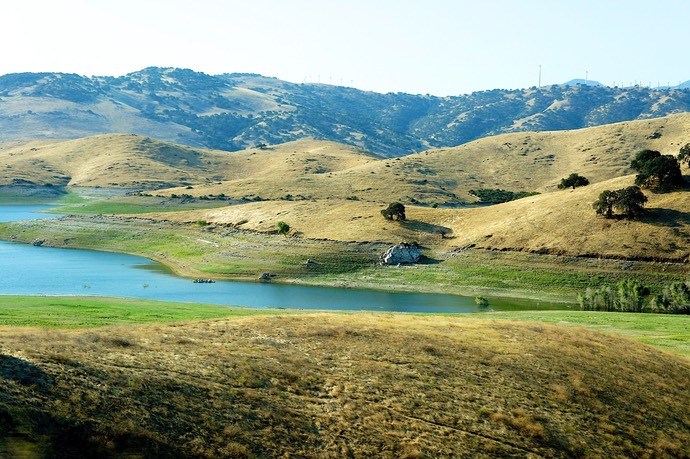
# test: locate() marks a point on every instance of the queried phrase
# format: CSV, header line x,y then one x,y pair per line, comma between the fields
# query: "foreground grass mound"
x,y
329,385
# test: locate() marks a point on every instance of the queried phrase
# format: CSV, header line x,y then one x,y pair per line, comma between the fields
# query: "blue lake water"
x,y
30,270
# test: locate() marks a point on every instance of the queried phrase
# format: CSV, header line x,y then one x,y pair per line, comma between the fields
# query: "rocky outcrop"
x,y
403,253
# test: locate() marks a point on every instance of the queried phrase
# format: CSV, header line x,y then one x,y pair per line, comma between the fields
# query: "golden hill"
x,y
338,385
332,191
563,222
319,169
556,221
110,160
130,161
537,161
516,162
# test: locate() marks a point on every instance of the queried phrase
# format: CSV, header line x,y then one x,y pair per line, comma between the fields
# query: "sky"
x,y
439,47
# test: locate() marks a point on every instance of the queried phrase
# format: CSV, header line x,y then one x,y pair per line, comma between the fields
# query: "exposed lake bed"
x,y
40,270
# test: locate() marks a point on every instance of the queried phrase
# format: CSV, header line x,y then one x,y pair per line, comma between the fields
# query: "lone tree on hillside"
x,y
657,171
394,211
573,180
684,155
283,228
629,201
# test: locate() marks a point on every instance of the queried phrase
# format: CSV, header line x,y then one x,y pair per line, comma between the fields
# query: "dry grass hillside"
x,y
321,170
339,220
556,221
564,222
537,161
130,161
110,160
561,222
516,162
333,386
331,191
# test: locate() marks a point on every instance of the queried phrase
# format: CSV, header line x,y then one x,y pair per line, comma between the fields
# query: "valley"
x,y
134,378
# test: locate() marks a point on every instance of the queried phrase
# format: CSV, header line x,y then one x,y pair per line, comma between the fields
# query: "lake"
x,y
29,270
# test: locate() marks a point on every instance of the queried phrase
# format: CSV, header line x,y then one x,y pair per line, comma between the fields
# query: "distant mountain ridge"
x,y
236,111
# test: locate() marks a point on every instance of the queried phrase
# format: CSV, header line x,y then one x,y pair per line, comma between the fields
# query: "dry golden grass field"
x,y
339,385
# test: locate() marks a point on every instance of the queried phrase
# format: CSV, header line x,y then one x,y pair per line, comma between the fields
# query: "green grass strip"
x,y
75,312
664,331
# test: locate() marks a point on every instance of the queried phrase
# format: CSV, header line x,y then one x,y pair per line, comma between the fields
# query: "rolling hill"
x,y
348,201
339,385
238,111
326,190
136,162
518,161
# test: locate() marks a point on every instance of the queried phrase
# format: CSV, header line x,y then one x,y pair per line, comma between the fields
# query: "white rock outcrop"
x,y
400,254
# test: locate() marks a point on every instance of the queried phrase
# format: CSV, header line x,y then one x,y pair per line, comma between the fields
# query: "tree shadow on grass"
x,y
667,217
423,227
23,372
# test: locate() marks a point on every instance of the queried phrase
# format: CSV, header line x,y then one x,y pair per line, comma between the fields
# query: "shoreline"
x,y
223,253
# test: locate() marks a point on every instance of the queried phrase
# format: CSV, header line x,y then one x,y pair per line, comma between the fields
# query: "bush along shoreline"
x,y
632,296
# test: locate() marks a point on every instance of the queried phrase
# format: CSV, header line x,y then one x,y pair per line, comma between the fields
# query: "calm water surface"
x,y
29,270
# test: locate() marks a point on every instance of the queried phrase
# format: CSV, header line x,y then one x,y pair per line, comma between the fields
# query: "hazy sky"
x,y
441,47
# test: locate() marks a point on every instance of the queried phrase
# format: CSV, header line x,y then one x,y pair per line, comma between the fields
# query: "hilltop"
x,y
238,111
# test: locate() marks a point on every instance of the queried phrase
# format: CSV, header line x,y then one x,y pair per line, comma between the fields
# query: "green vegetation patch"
x,y
671,333
497,195
504,274
74,312
134,205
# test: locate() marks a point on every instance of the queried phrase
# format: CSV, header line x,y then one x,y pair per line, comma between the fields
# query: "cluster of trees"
x,y
632,296
628,201
656,171
497,195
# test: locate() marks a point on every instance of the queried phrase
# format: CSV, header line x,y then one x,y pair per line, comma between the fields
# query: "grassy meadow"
x,y
666,332
76,312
